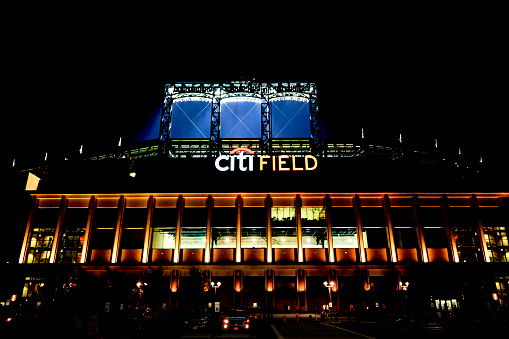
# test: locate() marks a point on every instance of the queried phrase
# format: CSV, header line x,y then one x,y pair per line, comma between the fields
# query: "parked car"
x,y
197,320
236,320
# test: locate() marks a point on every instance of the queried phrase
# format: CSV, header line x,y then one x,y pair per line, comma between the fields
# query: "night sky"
x,y
100,86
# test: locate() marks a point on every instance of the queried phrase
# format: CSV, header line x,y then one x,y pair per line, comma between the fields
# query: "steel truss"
x,y
216,92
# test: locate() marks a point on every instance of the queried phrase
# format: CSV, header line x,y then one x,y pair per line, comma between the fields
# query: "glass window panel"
x,y
372,217
193,237
135,218
102,239
164,217
375,238
224,217
467,241
253,237
344,237
224,237
254,217
405,237
435,237
431,217
194,217
163,238
284,228
342,217
132,238
314,228
105,218
402,217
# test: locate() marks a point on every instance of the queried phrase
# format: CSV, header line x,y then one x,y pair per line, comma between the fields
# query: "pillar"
x,y
180,212
238,252
147,243
360,235
118,231
419,230
58,230
269,288
208,232
298,219
390,234
301,289
330,245
28,230
268,208
452,248
474,203
92,204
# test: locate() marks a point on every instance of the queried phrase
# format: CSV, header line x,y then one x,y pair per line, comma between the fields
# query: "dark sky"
x,y
68,83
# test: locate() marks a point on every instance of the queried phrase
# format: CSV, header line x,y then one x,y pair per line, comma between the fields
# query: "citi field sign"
x,y
243,159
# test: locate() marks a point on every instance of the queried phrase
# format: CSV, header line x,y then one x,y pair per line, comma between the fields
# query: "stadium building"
x,y
241,186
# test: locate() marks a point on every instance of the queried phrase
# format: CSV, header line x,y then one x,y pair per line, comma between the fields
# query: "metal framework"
x,y
216,92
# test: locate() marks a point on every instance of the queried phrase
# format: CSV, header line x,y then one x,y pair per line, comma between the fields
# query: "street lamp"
x,y
215,286
329,286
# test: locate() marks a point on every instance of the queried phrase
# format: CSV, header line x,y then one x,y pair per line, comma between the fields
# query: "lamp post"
x,y
215,286
329,286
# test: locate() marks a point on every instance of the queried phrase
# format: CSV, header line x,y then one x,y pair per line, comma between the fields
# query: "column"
x,y
58,230
268,207
453,250
419,230
298,219
360,235
390,235
180,212
147,243
28,230
330,245
92,204
238,205
118,230
474,203
208,232
301,289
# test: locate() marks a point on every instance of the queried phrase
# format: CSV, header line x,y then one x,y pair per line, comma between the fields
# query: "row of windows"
x,y
284,230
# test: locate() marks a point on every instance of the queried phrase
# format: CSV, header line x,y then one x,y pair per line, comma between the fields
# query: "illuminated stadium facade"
x,y
242,186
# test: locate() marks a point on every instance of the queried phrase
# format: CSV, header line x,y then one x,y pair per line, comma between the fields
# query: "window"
x,y
224,227
435,237
254,237
375,238
495,233
163,238
344,237
43,232
373,227
344,230
284,229
461,221
405,237
164,228
74,227
102,239
194,226
314,228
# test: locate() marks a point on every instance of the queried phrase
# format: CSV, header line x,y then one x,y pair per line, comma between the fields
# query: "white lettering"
x,y
219,167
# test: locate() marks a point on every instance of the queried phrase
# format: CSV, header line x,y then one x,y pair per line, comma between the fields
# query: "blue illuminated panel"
x,y
191,118
241,117
290,118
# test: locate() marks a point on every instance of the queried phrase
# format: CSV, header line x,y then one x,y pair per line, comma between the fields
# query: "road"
x,y
291,330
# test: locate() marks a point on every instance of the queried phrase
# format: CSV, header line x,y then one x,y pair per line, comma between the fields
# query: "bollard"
x,y
297,317
284,318
310,318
